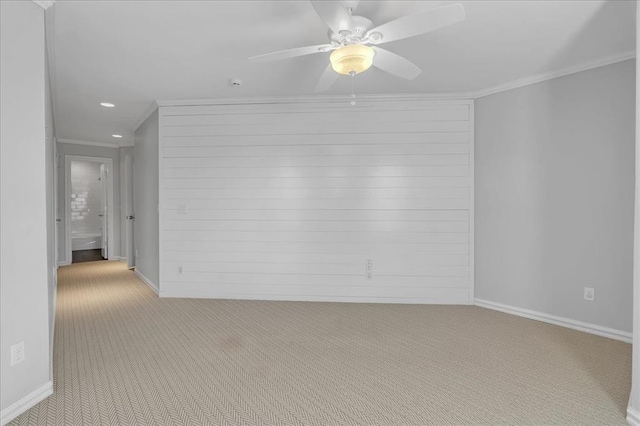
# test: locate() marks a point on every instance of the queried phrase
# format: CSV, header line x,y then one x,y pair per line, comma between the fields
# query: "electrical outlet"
x,y
182,209
368,266
589,294
180,271
17,353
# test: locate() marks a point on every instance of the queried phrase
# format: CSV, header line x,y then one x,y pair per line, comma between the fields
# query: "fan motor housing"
x,y
361,26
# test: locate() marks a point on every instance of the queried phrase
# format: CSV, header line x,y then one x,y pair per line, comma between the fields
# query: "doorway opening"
x,y
89,208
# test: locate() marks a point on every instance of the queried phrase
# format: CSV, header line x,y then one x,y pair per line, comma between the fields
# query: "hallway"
x,y
125,356
80,256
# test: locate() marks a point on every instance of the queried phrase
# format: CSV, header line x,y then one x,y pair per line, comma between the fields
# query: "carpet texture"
x,y
124,356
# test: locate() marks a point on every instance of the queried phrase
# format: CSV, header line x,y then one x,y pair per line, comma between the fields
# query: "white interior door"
x,y
130,216
56,165
104,213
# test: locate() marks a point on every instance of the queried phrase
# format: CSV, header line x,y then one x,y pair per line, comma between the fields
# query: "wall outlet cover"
x,y
368,268
589,294
17,353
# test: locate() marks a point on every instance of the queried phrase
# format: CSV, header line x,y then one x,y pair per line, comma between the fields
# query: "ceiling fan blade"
x,y
334,14
292,53
395,64
328,77
420,23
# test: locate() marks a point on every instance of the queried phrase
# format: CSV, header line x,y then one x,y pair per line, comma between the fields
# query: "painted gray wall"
x,y
554,196
88,151
633,410
24,304
145,199
50,164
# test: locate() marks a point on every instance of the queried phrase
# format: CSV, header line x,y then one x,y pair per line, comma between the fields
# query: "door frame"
x,y
67,202
128,211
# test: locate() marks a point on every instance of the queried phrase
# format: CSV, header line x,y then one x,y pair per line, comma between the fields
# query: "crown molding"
x,y
44,4
538,78
146,114
439,97
88,143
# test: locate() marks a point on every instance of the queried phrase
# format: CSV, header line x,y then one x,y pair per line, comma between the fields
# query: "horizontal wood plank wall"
x,y
289,201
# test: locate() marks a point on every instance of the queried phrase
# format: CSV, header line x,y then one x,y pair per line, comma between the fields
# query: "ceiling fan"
x,y
353,40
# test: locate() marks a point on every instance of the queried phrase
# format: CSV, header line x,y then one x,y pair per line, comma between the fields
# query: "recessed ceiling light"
x,y
117,136
107,104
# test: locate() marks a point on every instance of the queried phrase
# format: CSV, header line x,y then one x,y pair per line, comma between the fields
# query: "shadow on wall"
x,y
555,196
578,189
597,15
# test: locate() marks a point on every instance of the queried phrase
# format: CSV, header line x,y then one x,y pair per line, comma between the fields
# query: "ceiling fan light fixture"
x,y
352,58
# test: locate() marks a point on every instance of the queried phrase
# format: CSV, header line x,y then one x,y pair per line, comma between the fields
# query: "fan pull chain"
x,y
353,95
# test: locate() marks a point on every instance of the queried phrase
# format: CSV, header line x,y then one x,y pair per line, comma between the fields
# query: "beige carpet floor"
x,y
124,356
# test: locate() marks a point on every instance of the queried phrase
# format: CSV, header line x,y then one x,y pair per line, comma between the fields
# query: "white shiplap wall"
x,y
288,201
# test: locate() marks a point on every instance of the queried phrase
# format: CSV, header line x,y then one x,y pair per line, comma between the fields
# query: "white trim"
x,y
146,114
67,202
63,263
53,322
23,404
101,144
44,4
555,320
634,399
515,84
633,417
472,204
203,293
160,200
439,98
537,78
147,281
129,228
452,96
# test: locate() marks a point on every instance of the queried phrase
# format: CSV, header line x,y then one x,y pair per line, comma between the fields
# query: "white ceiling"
x,y
133,52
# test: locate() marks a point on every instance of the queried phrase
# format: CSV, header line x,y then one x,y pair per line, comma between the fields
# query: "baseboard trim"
x,y
53,324
191,293
633,417
147,281
64,263
23,404
555,320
